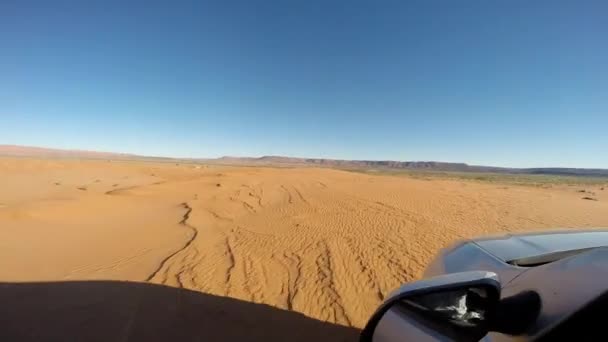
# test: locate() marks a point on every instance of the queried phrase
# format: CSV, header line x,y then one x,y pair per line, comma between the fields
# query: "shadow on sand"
x,y
128,311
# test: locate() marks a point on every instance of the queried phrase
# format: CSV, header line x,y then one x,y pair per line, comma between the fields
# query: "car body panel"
x,y
492,253
565,286
467,256
518,246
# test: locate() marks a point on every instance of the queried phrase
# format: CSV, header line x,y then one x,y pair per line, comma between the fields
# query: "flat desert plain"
x,y
139,251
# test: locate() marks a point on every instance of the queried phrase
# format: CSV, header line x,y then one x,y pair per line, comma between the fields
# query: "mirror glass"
x,y
464,307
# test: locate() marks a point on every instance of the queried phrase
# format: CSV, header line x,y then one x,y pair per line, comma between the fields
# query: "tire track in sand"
x,y
230,254
325,283
292,265
184,222
300,195
289,197
126,188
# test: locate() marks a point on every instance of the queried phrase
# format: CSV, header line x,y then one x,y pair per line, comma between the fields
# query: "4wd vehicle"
x,y
541,286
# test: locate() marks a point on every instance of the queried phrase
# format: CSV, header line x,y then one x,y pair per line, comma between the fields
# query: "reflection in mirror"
x,y
465,307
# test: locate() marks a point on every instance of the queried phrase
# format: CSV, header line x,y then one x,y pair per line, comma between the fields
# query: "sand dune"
x,y
306,248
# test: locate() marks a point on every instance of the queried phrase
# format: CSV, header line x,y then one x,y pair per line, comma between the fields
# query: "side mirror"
x,y
458,306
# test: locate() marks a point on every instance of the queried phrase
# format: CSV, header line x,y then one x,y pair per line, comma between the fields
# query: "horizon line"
x,y
127,154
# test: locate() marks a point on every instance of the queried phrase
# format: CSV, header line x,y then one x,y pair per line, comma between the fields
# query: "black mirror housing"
x,y
459,306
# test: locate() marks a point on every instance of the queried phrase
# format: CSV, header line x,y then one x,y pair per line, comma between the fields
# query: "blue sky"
x,y
510,83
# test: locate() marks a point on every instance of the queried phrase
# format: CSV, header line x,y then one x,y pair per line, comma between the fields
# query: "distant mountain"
x,y
343,163
27,151
413,165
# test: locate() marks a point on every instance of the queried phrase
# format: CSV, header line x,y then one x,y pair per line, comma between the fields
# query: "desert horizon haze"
x,y
31,151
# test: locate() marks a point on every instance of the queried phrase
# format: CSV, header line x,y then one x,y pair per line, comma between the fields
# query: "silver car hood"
x,y
517,246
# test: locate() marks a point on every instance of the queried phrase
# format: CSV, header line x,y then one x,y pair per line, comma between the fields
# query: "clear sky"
x,y
509,83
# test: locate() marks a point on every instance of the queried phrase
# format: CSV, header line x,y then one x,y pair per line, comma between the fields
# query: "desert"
x,y
110,248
